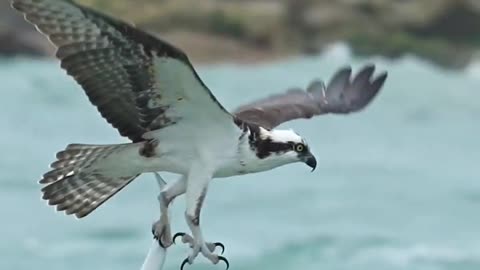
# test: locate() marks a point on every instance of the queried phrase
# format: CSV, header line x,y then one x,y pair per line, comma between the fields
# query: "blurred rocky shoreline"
x,y
445,32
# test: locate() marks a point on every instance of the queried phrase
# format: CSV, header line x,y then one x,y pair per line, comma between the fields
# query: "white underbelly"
x,y
229,169
221,160
224,165
238,166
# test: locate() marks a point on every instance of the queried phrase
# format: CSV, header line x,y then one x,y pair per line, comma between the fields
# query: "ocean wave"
x,y
368,253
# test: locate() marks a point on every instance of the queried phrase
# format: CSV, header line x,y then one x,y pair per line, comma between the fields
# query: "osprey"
x,y
149,91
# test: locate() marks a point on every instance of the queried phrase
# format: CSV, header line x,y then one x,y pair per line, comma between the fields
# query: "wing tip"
x,y
341,77
15,4
20,8
345,70
383,75
21,5
375,85
366,71
369,66
380,80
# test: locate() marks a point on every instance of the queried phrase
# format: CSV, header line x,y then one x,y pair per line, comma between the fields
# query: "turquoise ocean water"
x,y
397,186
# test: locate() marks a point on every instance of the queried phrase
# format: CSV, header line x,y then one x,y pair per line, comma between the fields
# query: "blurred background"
x,y
397,186
446,32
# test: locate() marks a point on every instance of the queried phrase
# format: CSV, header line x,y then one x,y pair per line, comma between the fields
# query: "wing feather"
x,y
115,64
343,95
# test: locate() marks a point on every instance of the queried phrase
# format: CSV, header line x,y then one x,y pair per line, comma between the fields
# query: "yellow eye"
x,y
299,147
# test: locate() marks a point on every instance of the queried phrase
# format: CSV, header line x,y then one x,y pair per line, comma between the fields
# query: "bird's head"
x,y
282,147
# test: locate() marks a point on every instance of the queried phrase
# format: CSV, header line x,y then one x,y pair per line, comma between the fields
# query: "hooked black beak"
x,y
311,162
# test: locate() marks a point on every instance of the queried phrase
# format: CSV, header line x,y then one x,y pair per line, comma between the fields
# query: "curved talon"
x,y
178,235
160,243
158,238
154,236
221,258
184,263
218,244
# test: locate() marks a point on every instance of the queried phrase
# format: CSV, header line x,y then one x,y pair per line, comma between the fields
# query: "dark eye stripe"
x,y
265,148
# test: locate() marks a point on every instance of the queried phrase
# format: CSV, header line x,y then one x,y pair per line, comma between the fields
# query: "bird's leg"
x,y
195,196
161,229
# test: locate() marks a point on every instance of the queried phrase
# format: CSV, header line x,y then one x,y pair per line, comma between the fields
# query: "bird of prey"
x,y
149,91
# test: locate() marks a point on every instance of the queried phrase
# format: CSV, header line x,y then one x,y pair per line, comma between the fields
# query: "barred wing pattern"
x,y
117,66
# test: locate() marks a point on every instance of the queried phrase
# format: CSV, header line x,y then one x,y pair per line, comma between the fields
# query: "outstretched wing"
x,y
342,95
138,82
